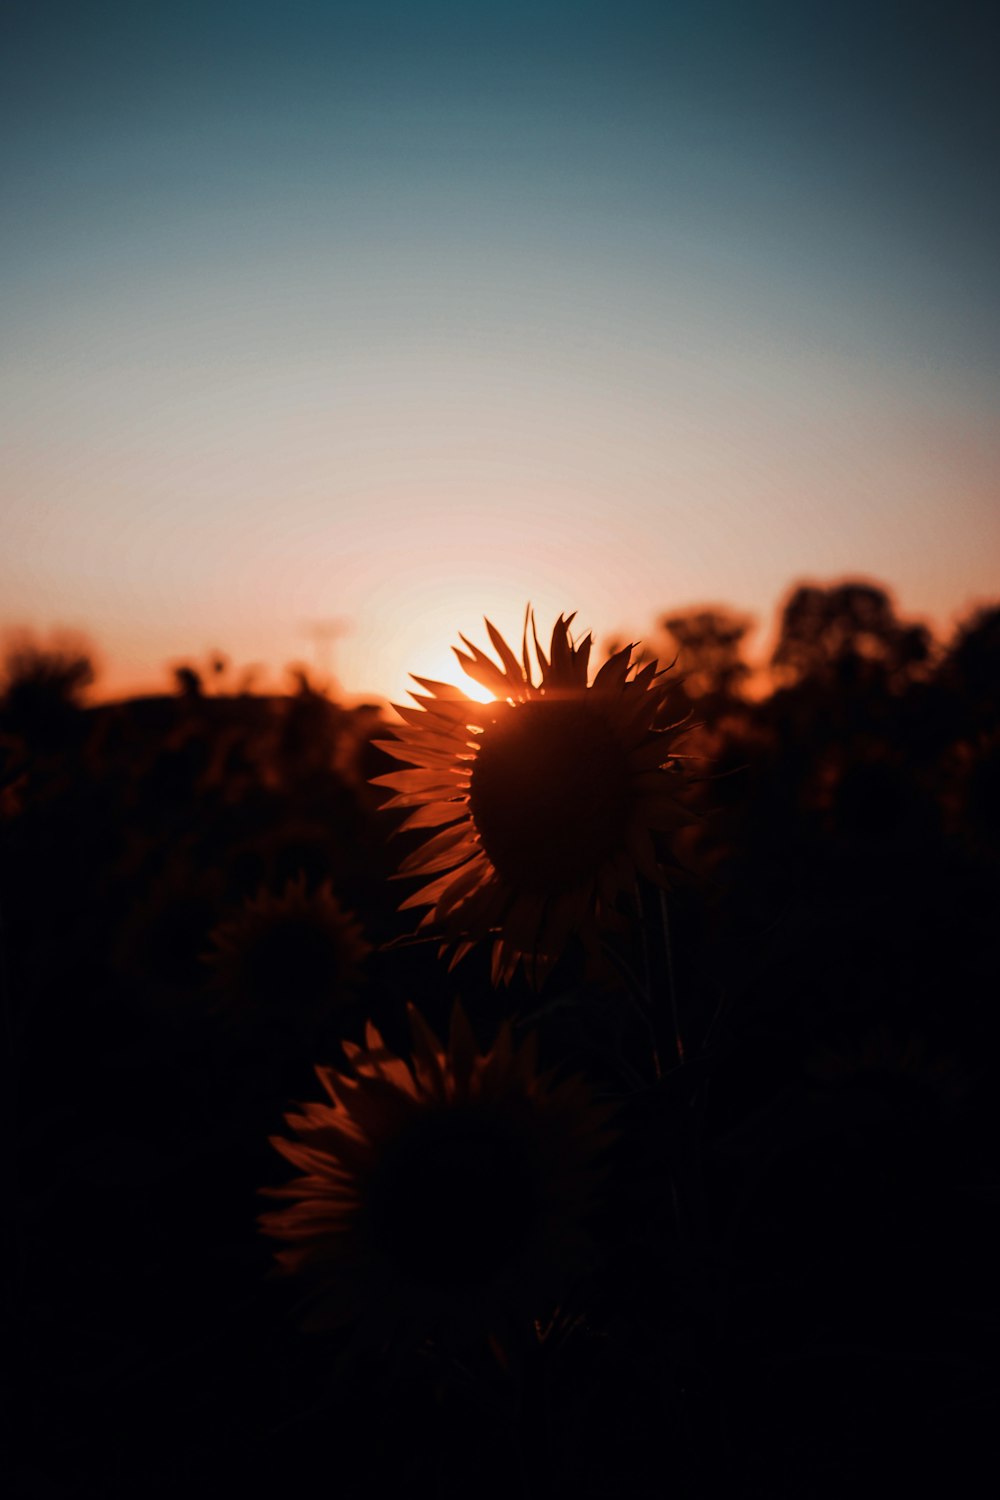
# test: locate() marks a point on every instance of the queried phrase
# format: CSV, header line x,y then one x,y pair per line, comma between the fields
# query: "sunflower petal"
x,y
430,895
459,952
581,659
428,754
511,665
433,814
428,1059
425,780
481,669
433,719
442,690
612,676
498,965
467,884
560,672
542,659
643,677
447,848
525,658
460,710
462,1050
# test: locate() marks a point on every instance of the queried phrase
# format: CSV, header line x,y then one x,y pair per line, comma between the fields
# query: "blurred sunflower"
x,y
548,797
297,954
166,918
442,1197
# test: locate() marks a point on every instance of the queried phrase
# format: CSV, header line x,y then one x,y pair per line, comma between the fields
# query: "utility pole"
x,y
323,633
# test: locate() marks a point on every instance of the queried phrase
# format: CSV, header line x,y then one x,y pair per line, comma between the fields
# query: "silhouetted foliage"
x,y
188,681
847,633
709,645
971,671
43,688
798,1291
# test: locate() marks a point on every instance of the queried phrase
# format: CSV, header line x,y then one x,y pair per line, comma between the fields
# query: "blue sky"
x,y
412,312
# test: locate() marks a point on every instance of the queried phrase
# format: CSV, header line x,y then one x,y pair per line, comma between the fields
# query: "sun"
x,y
439,666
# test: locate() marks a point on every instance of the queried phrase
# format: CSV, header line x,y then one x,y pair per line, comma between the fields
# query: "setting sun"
x,y
444,668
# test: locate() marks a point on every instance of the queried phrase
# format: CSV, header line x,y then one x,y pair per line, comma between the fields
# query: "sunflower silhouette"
x,y
547,798
441,1197
294,954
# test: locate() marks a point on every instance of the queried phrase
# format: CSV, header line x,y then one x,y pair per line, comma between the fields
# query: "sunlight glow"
x,y
443,667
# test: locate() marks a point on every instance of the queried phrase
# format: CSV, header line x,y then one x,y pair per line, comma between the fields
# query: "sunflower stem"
x,y
643,1007
658,960
668,949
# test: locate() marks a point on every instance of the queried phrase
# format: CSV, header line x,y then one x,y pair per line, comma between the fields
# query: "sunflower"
x,y
443,1197
297,954
547,798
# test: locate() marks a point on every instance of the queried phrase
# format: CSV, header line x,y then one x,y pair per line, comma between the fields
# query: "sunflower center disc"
x,y
550,793
453,1200
297,959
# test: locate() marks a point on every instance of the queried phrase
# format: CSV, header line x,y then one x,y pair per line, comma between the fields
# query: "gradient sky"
x,y
410,312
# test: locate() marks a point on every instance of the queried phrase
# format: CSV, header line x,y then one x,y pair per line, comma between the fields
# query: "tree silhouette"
x,y
847,635
709,644
971,670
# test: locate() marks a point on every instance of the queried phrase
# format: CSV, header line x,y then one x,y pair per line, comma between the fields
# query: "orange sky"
x,y
402,325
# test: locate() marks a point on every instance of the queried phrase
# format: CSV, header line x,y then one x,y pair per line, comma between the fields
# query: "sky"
x,y
377,318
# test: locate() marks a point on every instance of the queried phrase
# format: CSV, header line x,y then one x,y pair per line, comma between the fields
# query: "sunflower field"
x,y
587,1092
